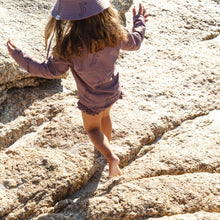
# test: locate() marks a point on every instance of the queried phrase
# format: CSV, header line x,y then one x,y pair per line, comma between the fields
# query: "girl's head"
x,y
92,29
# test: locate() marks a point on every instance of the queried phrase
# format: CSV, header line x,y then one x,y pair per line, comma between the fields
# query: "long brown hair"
x,y
93,33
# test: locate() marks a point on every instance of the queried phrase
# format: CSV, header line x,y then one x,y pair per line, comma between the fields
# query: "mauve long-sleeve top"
x,y
95,73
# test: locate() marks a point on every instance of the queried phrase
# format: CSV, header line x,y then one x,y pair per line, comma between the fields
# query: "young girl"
x,y
88,38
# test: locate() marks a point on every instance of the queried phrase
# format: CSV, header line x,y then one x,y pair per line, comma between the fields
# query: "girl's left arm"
x,y
49,69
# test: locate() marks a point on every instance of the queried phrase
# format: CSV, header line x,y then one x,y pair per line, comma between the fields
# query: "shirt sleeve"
x,y
136,37
49,69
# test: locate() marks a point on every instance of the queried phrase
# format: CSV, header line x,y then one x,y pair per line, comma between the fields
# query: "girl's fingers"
x,y
11,44
140,9
10,50
8,44
134,11
11,47
146,16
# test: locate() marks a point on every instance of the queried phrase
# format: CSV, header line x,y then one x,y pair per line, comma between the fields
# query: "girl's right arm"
x,y
51,68
136,37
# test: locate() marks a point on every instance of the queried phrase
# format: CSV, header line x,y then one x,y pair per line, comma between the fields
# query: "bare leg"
x,y
106,123
92,126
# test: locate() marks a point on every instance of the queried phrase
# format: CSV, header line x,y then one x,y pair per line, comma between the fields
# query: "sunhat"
x,y
78,9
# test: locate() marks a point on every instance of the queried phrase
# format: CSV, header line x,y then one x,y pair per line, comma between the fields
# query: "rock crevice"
x,y
165,130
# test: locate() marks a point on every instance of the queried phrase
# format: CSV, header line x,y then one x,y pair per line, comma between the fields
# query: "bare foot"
x,y
114,169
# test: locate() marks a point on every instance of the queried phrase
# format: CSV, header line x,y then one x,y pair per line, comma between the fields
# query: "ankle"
x,y
113,159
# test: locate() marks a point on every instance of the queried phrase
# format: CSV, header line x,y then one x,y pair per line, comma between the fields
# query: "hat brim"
x,y
78,9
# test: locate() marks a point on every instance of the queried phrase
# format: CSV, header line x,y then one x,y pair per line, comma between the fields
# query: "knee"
x,y
90,131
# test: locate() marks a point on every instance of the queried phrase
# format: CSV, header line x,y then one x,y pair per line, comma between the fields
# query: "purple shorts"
x,y
93,112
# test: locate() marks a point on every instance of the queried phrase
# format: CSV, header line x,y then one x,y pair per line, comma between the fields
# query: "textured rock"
x,y
193,216
45,165
26,31
36,178
166,195
122,6
179,175
165,130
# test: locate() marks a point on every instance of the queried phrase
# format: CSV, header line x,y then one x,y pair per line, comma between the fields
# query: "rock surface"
x,y
20,26
180,174
165,130
122,6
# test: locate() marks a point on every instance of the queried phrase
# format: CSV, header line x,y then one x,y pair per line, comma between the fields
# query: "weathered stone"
x,y
165,130
45,165
193,216
35,178
26,31
122,6
179,175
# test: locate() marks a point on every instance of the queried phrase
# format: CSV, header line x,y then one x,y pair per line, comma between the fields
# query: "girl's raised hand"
x,y
11,47
141,11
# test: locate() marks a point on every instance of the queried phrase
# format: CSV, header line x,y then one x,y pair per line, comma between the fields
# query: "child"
x,y
88,39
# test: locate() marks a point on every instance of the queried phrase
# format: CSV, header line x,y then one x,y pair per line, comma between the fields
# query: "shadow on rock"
x,y
18,100
73,203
